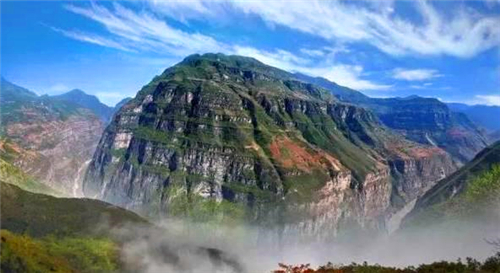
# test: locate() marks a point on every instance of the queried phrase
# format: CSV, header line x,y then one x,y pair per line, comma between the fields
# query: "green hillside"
x,y
41,233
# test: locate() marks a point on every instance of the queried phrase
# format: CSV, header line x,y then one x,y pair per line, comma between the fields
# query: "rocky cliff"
x,y
424,120
50,139
229,137
471,194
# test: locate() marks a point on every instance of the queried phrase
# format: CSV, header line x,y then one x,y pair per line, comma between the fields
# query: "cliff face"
x,y
229,135
58,151
472,193
52,140
431,122
423,120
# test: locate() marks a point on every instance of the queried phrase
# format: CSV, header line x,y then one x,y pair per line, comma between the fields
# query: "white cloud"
x,y
488,99
327,51
415,74
142,31
312,52
346,75
91,38
464,32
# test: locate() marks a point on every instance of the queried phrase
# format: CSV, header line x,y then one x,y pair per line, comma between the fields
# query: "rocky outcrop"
x,y
227,133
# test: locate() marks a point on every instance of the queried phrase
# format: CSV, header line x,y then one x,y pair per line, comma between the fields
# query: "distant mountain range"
x,y
79,97
487,117
424,120
85,100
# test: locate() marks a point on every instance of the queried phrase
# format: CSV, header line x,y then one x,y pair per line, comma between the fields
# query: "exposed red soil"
x,y
291,154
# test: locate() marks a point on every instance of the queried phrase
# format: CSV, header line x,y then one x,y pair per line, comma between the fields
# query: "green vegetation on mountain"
x,y
41,233
424,120
41,215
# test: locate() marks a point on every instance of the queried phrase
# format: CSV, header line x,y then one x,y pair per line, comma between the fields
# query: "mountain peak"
x,y
78,91
88,101
80,94
235,60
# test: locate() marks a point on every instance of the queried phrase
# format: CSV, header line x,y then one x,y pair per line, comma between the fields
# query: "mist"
x,y
177,245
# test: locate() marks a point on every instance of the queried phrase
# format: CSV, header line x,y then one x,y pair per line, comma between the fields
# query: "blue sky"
x,y
446,49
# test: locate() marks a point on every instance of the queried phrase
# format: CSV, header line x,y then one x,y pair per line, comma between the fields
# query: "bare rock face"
x,y
63,150
54,140
226,137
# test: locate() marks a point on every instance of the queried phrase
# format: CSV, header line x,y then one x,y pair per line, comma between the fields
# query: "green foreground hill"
x,y
42,233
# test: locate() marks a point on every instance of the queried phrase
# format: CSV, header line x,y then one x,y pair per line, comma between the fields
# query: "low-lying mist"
x,y
185,246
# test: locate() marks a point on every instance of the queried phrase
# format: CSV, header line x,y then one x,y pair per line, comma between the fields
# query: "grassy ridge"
x,y
40,215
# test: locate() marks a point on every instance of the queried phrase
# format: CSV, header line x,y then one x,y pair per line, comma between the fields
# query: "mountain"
x,y
424,120
39,215
51,139
482,115
341,92
470,191
42,233
91,102
219,137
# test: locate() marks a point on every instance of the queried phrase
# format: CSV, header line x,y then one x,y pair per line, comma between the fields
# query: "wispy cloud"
x,y
488,99
312,52
327,51
346,75
415,74
138,31
131,30
375,23
92,38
